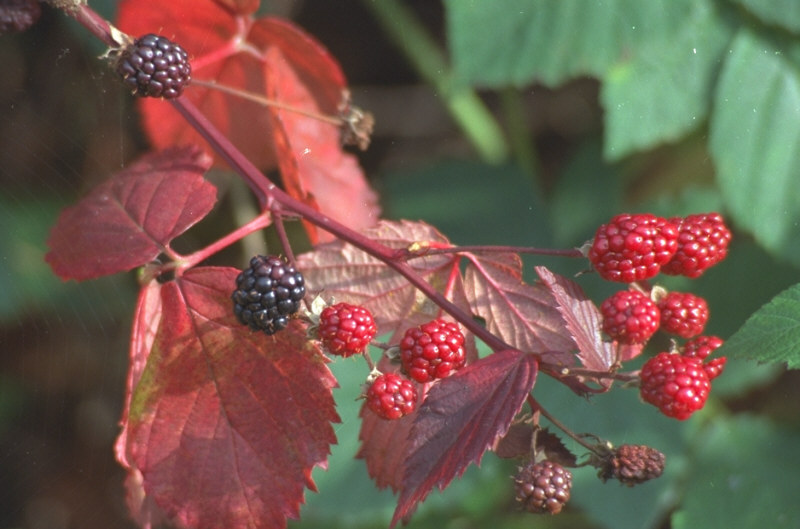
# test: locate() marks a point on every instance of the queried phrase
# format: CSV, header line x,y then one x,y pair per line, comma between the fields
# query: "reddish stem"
x,y
260,222
569,252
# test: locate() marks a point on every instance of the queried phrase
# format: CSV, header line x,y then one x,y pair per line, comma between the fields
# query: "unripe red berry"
x,y
346,329
432,351
630,317
391,396
683,314
675,384
703,241
633,247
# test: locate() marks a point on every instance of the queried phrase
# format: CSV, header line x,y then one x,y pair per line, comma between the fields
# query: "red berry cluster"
x,y
633,248
678,384
429,352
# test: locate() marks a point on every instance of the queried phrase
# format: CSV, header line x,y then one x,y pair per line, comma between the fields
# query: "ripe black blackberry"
x,y
18,15
543,487
154,66
267,293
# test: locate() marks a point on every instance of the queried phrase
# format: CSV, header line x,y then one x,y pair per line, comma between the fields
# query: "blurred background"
x,y
544,179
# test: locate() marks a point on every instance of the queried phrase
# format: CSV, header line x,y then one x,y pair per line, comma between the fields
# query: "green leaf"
x,y
772,334
519,41
664,90
755,131
744,475
783,13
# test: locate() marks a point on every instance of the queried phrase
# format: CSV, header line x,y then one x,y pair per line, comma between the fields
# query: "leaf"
x,y
755,129
583,319
664,90
241,7
130,219
732,461
341,271
516,42
310,157
782,13
462,416
272,58
772,333
225,424
521,314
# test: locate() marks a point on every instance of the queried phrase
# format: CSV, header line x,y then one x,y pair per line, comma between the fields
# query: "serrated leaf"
x,y
732,462
341,271
772,333
519,41
463,416
271,58
583,319
755,130
664,89
521,314
130,219
226,424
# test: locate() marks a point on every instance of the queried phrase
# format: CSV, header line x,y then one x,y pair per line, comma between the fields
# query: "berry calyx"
x,y
154,66
683,314
345,329
702,346
632,464
391,396
432,351
630,317
543,487
677,385
267,293
633,247
703,241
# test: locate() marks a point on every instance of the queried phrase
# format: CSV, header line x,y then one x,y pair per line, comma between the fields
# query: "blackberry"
x,y
18,15
267,293
154,66
543,487
632,464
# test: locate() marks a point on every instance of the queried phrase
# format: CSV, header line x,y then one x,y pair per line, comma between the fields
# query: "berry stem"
x,y
93,22
272,197
257,98
422,251
536,407
260,222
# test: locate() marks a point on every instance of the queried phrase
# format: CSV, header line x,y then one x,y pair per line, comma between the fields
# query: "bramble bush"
x,y
465,352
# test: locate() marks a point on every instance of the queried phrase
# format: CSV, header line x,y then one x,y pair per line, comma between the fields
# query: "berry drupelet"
x,y
632,464
267,293
154,66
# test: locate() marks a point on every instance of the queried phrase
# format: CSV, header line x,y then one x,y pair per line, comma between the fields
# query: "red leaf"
x,y
241,7
272,58
521,314
462,416
130,219
226,425
583,320
341,271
